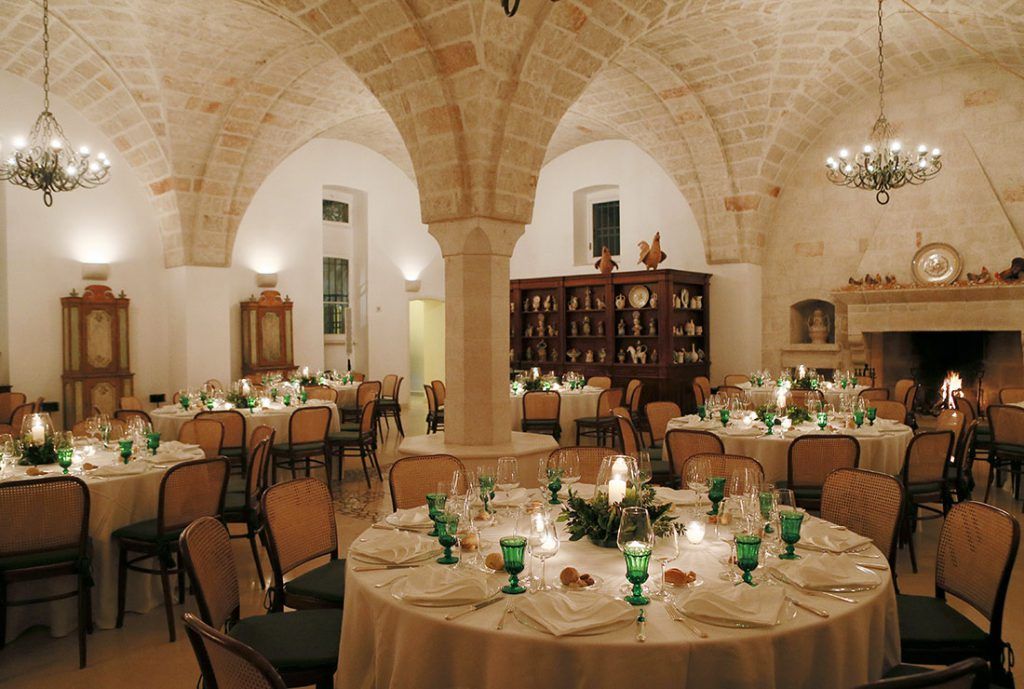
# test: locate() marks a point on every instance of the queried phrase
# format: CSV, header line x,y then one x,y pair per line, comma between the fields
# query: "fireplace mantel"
x,y
943,295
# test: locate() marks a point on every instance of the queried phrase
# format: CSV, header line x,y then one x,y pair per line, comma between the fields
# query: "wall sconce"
x,y
266,280
412,285
95,271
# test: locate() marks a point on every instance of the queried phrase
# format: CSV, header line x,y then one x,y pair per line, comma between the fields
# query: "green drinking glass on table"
x,y
554,485
769,421
185,402
858,418
723,414
126,449
822,420
789,530
513,550
636,541
702,411
447,523
748,547
766,502
153,442
435,508
716,492
872,415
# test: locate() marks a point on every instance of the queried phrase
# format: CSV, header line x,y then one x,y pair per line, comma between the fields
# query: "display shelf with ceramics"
x,y
622,325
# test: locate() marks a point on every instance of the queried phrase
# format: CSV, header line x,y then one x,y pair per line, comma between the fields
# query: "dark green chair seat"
x,y
232,452
234,503
350,427
145,531
326,583
596,420
283,448
236,484
930,626
540,423
300,640
656,454
925,488
344,436
1008,450
387,403
50,557
660,467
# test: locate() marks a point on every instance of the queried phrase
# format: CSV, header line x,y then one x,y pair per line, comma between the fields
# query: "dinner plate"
x,y
424,526
611,627
787,612
639,296
398,590
598,581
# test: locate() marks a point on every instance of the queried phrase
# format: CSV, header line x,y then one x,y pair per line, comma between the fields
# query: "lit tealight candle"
x,y
695,532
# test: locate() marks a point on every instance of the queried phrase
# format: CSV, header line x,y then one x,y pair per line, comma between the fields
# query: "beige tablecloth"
x,y
346,392
763,395
168,420
880,451
389,643
115,501
575,404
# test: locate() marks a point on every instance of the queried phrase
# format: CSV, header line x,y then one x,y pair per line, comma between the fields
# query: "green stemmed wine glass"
x,y
153,442
287,400
872,415
716,492
702,411
486,482
554,485
748,547
447,523
858,418
304,396
185,402
723,414
769,421
435,508
789,527
64,457
822,420
766,501
126,449
513,550
636,541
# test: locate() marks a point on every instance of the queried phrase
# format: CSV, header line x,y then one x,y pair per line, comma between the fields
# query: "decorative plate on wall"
x,y
639,296
936,264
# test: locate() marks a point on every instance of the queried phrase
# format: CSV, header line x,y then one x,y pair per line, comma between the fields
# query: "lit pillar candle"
x,y
780,399
617,482
38,432
801,371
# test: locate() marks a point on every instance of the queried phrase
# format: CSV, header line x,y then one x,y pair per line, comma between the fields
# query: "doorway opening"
x,y
426,343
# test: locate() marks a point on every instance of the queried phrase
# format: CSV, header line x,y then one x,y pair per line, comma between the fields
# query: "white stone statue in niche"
x,y
818,325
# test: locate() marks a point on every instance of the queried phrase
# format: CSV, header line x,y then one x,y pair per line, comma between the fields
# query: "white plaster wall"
x,y
114,223
649,201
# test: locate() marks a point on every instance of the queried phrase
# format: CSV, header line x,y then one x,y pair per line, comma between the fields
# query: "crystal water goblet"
x,y
636,541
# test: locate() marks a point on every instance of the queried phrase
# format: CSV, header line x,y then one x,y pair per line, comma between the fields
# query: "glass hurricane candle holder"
x,y
723,415
748,547
447,523
513,550
716,493
126,449
702,411
638,558
789,530
872,414
822,420
153,442
435,508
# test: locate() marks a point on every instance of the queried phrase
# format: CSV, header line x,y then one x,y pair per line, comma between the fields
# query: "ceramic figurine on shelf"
x,y
573,329
526,305
677,356
547,302
620,301
621,356
621,327
654,356
586,325
541,318
600,327
542,351
587,295
535,302
699,330
554,354
651,254
552,331
574,303
691,328
684,298
511,355
694,356
511,307
676,303
528,354
602,354
700,355
573,354
529,330
653,303
638,328
605,264
589,356
599,303
652,327
554,303
698,302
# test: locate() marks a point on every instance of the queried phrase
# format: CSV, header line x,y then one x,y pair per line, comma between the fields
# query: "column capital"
x,y
477,236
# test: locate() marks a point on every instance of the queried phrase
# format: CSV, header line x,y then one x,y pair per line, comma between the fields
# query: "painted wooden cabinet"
x,y
267,345
97,368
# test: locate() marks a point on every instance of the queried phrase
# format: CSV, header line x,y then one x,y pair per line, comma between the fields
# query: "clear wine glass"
x,y
636,541
698,471
643,467
543,542
507,478
569,463
666,549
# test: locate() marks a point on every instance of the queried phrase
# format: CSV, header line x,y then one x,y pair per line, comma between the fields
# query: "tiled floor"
x,y
139,655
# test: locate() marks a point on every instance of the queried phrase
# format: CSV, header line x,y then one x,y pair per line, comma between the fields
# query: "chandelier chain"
x,y
46,55
881,64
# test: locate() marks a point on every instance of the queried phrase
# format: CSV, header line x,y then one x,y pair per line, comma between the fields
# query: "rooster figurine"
x,y
605,264
651,255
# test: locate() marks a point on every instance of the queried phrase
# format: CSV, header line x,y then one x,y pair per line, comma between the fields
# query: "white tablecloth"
x,y
168,420
881,452
575,404
115,501
346,392
763,395
389,643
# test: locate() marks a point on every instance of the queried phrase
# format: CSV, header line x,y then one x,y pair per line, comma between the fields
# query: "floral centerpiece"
x,y
796,414
535,384
598,520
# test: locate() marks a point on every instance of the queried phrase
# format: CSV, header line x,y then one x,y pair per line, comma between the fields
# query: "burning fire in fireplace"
x,y
952,387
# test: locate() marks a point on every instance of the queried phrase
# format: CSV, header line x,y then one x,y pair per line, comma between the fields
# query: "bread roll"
x,y
569,575
495,561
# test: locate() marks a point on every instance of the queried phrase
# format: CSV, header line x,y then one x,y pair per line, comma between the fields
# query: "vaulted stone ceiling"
x,y
205,97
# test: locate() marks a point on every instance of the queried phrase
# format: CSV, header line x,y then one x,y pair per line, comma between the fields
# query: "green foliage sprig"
x,y
598,520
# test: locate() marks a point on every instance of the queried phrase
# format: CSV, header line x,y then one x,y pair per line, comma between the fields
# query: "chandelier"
x,y
46,161
883,164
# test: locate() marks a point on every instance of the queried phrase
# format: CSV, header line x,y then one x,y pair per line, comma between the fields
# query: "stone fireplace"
x,y
925,332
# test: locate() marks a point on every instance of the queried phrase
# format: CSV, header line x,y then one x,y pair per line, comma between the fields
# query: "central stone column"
x,y
476,275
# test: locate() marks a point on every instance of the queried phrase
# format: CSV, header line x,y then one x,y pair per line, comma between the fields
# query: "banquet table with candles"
x,y
882,446
575,404
833,394
119,495
395,632
169,419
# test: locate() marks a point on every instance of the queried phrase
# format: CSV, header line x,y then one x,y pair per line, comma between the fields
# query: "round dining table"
x,y
389,642
119,494
575,404
882,446
765,394
346,392
169,419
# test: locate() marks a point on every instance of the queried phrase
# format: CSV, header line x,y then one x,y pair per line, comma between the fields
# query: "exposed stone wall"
x,y
820,234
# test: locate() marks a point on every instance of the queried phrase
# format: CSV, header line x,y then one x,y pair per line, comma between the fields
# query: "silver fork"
x,y
676,615
509,607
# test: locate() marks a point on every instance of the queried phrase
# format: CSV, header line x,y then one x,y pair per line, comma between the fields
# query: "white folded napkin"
x,y
759,606
564,614
395,547
512,498
412,517
676,497
819,535
174,451
823,571
436,585
130,469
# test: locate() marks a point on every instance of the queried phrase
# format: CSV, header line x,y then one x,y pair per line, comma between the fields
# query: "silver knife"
x,y
475,606
800,604
504,614
381,568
